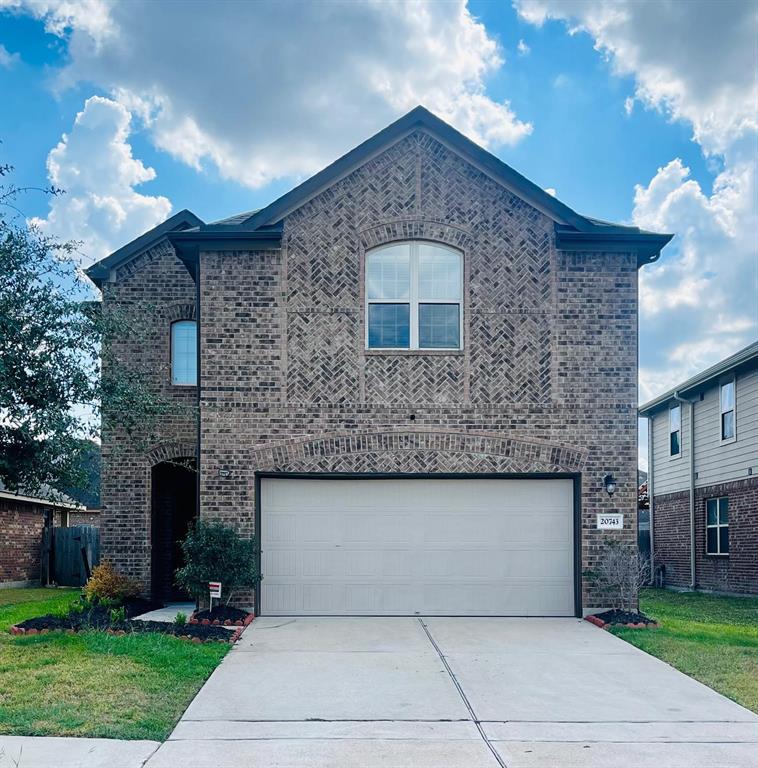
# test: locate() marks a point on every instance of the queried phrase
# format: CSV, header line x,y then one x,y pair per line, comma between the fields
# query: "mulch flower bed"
x,y
222,615
619,618
98,617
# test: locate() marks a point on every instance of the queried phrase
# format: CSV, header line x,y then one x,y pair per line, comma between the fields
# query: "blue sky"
x,y
138,111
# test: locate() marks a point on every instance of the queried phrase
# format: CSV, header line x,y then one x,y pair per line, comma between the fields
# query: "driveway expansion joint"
x,y
458,687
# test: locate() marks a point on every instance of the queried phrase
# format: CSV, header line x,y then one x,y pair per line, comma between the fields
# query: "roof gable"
x,y
418,119
100,271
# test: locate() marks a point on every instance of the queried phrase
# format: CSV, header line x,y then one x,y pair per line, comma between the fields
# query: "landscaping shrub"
x,y
215,552
620,573
180,619
107,585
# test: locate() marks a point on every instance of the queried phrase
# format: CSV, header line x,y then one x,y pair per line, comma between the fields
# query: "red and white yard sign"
x,y
214,587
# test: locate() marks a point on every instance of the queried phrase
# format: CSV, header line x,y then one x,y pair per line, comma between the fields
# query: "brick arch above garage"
x,y
416,451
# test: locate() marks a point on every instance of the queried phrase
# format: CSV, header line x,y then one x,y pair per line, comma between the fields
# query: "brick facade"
x,y
546,381
671,520
156,288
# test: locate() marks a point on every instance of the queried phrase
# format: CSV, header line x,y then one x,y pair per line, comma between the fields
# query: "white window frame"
x,y
413,299
718,526
671,432
724,440
171,353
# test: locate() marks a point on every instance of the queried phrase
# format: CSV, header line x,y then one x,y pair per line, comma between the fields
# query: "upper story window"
x,y
675,430
414,297
184,352
727,410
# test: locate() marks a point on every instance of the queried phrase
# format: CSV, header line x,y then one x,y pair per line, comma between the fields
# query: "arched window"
x,y
414,296
184,352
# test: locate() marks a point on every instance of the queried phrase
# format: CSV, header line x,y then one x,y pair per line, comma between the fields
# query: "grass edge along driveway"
x,y
711,638
91,683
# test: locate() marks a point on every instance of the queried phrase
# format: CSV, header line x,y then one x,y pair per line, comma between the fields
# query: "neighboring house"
x,y
704,502
411,375
22,519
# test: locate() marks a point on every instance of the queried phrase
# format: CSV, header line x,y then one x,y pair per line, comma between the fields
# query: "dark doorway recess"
x,y
174,507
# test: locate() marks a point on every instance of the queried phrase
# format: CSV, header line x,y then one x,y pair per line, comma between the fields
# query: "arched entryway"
x,y
174,507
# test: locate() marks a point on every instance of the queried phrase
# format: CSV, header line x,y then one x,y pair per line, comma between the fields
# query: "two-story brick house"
x,y
411,375
704,501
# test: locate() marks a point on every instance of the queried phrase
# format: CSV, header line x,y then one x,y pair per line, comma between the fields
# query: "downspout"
x,y
693,574
650,489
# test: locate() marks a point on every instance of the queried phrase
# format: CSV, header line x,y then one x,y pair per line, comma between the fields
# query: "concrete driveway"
x,y
459,693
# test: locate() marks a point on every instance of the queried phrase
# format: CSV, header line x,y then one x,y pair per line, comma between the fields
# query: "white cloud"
x,y
695,62
7,59
270,90
523,48
551,191
629,105
93,163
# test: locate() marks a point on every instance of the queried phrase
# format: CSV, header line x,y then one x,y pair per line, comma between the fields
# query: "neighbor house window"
x,y
184,352
414,297
675,430
728,426
717,526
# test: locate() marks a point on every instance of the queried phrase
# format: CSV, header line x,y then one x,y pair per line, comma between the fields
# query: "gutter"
x,y
691,403
651,495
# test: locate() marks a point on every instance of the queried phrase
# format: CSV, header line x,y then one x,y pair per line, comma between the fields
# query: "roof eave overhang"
x,y
189,245
647,245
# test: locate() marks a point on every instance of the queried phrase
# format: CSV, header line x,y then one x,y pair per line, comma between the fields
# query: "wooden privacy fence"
x,y
69,554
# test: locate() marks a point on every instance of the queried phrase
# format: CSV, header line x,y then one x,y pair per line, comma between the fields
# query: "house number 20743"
x,y
610,522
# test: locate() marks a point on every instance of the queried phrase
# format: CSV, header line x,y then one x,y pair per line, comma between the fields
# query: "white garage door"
x,y
459,547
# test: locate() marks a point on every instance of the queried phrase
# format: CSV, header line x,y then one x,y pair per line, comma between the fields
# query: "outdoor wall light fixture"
x,y
609,481
225,473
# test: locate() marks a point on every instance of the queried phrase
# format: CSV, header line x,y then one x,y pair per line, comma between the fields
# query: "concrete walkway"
x,y
167,614
463,693
56,752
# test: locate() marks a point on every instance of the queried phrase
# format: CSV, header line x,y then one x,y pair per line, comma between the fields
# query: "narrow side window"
x,y
675,430
727,410
184,353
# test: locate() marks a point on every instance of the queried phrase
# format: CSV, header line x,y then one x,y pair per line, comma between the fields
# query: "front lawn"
x,y
713,639
92,683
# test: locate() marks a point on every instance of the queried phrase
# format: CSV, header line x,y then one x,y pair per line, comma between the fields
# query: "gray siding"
x,y
715,462
671,472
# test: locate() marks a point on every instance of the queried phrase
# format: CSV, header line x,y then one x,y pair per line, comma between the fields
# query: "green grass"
x,y
713,639
91,683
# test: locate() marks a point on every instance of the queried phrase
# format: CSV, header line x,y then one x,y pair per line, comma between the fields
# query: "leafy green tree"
x,y
215,552
55,339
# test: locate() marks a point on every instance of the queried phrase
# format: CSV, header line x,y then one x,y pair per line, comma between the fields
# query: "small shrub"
x,y
620,573
214,552
77,608
106,584
180,619
118,615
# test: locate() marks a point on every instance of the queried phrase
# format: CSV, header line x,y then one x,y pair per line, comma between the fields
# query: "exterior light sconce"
x,y
609,482
225,473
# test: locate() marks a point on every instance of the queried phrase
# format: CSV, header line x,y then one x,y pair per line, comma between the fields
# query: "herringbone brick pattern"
x,y
321,357
414,379
512,360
